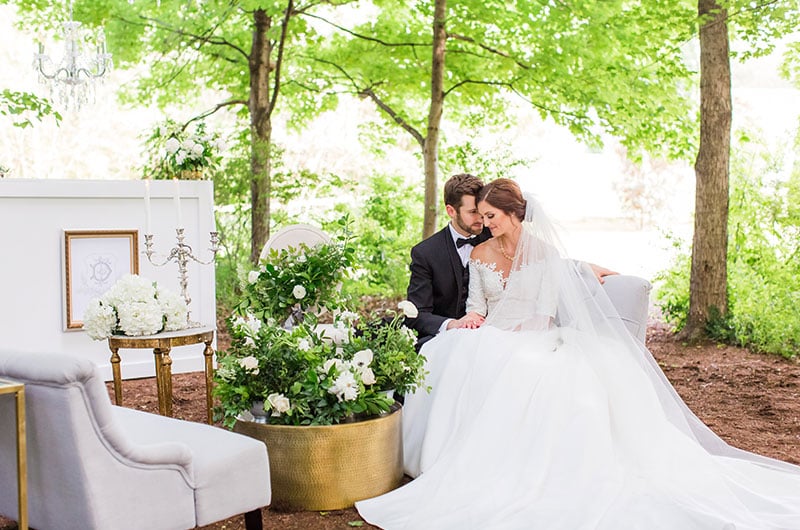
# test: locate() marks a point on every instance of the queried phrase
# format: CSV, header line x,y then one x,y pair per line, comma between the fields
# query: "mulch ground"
x,y
751,400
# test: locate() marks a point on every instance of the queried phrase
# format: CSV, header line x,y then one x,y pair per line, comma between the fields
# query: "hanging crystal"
x,y
72,81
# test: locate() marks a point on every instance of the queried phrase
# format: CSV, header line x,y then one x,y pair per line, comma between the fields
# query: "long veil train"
x,y
551,415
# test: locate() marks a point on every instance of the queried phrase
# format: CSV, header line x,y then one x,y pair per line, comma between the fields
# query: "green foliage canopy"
x,y
595,67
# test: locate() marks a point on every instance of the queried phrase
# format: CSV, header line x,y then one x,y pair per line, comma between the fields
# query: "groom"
x,y
439,273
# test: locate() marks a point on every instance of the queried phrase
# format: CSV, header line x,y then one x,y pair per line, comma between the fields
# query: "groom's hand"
x,y
601,272
469,321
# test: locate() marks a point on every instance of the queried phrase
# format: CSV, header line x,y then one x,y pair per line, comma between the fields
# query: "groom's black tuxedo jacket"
x,y
438,284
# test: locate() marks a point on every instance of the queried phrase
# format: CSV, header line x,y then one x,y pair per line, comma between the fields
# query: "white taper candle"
x,y
147,229
177,200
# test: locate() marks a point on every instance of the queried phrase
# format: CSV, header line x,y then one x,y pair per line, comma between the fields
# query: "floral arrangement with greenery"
x,y
312,375
134,306
292,282
304,372
172,150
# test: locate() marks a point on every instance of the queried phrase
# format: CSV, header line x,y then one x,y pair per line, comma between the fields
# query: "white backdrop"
x,y
33,216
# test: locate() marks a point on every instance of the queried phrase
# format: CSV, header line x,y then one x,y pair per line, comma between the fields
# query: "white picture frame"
x,y
93,261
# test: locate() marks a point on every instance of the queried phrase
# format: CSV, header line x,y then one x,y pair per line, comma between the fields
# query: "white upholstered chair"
x,y
630,296
92,465
293,236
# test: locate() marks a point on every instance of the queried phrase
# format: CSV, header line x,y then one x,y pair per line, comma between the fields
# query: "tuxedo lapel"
x,y
460,273
455,259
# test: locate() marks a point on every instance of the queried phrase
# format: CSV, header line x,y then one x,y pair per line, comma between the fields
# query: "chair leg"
x,y
252,520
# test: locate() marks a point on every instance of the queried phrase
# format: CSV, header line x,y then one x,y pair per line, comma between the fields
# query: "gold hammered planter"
x,y
330,467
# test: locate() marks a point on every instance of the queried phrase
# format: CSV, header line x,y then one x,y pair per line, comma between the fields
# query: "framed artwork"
x,y
93,261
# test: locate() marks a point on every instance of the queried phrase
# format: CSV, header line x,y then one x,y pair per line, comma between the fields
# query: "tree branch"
x,y
510,86
392,114
216,108
368,92
366,37
177,31
281,45
490,49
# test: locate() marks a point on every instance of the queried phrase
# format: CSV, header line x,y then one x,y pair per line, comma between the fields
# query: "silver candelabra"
x,y
182,253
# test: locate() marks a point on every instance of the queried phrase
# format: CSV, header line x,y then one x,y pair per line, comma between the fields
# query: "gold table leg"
x,y
22,462
159,359
117,376
208,353
166,366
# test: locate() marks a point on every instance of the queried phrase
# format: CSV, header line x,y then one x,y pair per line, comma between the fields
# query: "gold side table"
x,y
18,389
162,344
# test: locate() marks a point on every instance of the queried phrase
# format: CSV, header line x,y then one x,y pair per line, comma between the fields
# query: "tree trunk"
x,y
260,134
430,148
708,286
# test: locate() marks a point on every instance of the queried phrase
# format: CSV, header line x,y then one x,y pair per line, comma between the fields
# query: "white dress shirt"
x,y
465,250
463,253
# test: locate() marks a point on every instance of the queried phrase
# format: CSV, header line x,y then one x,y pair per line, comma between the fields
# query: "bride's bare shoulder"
x,y
482,252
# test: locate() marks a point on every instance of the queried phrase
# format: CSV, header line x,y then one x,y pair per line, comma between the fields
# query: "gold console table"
x,y
162,344
18,389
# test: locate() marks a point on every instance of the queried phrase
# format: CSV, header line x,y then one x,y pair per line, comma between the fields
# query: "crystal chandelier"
x,y
72,81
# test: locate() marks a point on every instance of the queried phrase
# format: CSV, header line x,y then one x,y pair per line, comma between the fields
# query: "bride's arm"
x,y
476,301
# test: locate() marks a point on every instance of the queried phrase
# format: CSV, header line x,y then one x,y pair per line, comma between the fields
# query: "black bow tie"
x,y
461,241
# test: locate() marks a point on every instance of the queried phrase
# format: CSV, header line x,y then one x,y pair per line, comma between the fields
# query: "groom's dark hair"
x,y
459,185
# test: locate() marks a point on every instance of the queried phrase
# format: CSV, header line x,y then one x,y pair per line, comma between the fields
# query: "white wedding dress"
x,y
551,416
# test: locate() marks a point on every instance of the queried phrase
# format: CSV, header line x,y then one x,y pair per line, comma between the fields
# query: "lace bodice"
x,y
530,292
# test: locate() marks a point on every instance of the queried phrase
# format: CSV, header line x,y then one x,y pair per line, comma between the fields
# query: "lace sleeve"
x,y
476,299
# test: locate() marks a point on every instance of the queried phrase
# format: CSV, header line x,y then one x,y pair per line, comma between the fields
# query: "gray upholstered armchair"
x,y
94,465
631,298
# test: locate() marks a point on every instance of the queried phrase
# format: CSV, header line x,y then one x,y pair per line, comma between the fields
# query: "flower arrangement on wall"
x,y
173,151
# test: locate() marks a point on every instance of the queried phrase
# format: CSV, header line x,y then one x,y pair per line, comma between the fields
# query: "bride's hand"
x,y
470,321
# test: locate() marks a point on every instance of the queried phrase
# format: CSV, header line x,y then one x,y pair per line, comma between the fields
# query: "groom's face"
x,y
466,219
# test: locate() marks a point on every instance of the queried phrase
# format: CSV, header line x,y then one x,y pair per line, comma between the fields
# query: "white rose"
x,y
326,366
408,309
171,146
303,345
197,151
299,292
253,324
250,364
252,276
367,376
278,402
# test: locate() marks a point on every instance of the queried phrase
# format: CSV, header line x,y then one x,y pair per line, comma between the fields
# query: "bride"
x,y
549,415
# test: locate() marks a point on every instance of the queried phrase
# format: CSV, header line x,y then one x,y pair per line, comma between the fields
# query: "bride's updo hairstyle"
x,y
505,195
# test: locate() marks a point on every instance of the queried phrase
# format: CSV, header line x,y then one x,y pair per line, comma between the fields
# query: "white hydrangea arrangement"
x,y
134,306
